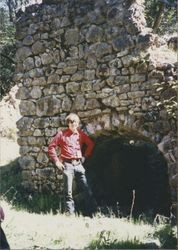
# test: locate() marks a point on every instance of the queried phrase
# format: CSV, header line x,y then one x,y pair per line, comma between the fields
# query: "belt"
x,y
73,161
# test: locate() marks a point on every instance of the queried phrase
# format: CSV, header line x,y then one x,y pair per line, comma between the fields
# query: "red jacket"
x,y
70,144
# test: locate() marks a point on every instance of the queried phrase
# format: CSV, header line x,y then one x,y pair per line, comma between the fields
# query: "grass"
x,y
26,230
164,234
60,231
34,221
12,191
104,241
167,236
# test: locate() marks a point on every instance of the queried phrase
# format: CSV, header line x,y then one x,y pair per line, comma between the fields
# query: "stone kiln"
x,y
94,58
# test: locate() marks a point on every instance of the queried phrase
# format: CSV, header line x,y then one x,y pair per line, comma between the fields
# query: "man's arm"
x,y
89,143
52,147
52,150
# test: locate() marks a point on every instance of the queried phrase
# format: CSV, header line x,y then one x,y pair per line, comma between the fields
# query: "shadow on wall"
x,y
121,166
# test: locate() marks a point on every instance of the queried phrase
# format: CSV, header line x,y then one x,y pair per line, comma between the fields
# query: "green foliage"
x,y
167,237
7,67
12,6
168,23
57,242
7,52
105,241
12,191
7,30
10,177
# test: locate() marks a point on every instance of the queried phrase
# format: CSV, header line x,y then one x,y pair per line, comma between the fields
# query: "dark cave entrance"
x,y
121,165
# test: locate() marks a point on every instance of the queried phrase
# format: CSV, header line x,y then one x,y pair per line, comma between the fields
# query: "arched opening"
x,y
126,171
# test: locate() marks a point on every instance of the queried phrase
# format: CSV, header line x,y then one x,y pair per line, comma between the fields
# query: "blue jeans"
x,y
78,172
3,241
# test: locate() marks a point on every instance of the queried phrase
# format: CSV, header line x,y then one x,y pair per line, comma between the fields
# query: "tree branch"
x,y
7,57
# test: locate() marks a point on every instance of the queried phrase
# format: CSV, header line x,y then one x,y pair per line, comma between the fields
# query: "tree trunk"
x,y
10,8
158,17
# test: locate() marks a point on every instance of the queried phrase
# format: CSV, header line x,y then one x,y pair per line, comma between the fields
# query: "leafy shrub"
x,y
168,23
7,52
167,237
105,241
7,67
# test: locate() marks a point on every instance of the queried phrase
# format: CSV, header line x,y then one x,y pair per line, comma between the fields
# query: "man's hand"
x,y
1,214
83,159
59,165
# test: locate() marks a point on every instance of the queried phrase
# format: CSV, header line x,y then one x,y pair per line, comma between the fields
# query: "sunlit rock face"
x,y
94,58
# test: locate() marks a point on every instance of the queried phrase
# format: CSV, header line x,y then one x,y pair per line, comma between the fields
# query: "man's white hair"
x,y
72,117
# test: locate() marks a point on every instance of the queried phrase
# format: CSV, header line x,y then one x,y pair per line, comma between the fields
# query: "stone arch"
x,y
127,165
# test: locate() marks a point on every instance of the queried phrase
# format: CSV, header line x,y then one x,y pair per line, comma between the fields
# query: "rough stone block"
x,y
48,106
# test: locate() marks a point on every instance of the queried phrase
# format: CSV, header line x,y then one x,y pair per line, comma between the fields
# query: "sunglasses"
x,y
71,121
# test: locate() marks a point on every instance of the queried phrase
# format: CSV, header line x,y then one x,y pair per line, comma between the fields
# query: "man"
x,y
3,241
70,160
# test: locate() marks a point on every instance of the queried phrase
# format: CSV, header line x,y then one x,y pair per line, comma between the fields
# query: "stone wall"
x,y
95,58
